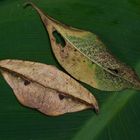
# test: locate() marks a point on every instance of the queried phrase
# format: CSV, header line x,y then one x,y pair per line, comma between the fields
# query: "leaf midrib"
x,y
96,124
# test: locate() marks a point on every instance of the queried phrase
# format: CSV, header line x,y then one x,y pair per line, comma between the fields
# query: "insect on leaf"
x,y
46,88
86,58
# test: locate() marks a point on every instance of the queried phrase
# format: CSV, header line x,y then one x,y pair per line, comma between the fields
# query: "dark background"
x,y
23,36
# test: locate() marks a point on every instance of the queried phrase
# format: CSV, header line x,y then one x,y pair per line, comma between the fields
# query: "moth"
x,y
85,57
46,88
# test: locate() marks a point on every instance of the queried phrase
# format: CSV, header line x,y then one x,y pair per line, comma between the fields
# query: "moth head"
x,y
128,74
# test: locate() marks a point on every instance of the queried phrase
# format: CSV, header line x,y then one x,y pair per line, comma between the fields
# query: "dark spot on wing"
x,y
61,97
26,82
114,70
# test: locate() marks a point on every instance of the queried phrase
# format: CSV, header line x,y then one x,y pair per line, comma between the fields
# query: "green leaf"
x,y
22,36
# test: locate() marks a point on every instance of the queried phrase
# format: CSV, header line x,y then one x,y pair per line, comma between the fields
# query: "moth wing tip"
x,y
28,3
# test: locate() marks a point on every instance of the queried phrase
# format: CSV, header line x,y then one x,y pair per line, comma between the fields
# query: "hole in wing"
x,y
59,39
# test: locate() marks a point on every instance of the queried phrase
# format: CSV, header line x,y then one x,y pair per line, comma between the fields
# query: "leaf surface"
x,y
46,88
22,36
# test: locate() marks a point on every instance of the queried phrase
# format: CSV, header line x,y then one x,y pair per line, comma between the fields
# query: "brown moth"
x,y
46,88
86,58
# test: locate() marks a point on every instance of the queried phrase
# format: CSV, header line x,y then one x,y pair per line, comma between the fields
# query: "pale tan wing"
x,y
47,101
